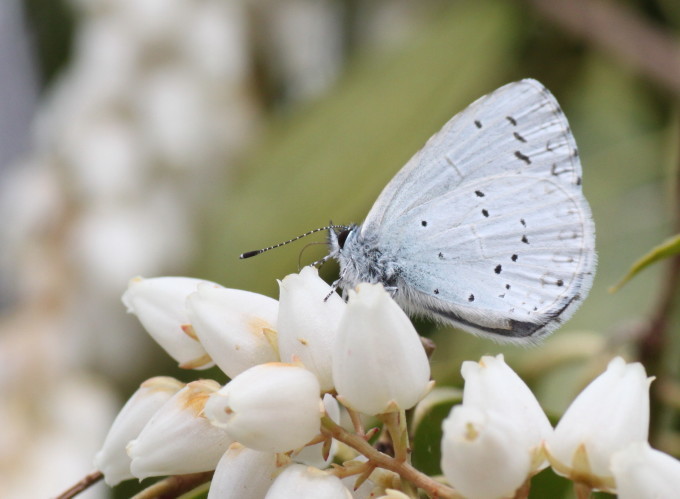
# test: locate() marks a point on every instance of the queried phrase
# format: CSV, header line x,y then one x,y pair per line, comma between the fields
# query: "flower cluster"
x,y
285,358
272,431
499,437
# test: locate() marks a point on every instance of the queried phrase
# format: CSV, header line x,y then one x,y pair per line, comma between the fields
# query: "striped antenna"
x,y
249,254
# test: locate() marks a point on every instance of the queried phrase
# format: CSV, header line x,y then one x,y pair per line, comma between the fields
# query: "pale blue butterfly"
x,y
486,227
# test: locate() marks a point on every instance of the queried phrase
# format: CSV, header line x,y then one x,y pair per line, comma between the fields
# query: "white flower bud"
x,y
379,363
235,327
300,481
243,473
272,407
482,456
491,385
112,459
159,304
178,439
611,412
308,322
641,471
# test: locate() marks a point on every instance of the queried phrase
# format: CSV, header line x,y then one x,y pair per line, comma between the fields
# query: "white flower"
x,y
308,322
178,439
272,407
492,385
112,459
641,471
611,412
235,327
379,364
304,482
243,473
482,455
159,304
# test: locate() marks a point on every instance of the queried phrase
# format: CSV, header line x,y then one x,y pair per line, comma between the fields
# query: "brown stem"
x,y
174,486
403,469
523,491
582,491
84,484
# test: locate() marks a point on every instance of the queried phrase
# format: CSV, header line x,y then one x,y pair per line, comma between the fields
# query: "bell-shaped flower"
x,y
301,481
610,413
491,385
309,316
482,455
379,363
272,407
237,328
112,459
641,471
243,473
159,304
178,439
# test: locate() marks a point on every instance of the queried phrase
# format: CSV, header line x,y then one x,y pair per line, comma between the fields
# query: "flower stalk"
x,y
381,460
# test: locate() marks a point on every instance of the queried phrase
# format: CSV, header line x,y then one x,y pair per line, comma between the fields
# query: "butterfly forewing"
x,y
518,129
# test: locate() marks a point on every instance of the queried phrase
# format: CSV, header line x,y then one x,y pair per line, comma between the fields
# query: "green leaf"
x,y
667,249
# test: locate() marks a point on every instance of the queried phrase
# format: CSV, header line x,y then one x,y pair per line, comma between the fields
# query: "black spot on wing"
x,y
523,157
512,120
519,137
479,194
478,124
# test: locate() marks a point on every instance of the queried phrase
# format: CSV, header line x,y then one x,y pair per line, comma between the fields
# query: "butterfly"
x,y
486,227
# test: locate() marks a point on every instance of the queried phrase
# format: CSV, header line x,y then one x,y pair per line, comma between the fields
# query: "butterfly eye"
x,y
342,237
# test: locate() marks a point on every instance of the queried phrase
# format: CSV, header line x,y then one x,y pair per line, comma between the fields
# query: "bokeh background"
x,y
165,137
